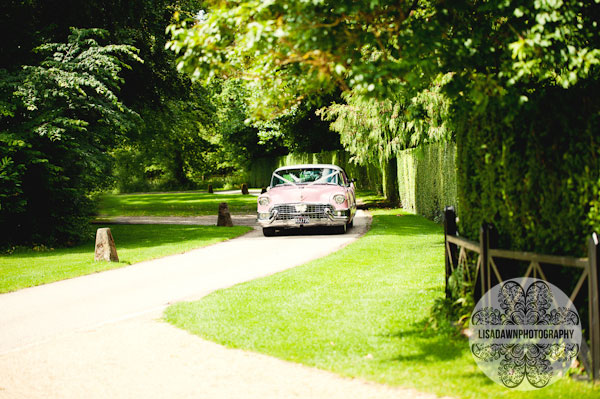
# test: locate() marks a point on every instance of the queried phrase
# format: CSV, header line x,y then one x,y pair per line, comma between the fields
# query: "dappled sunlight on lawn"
x,y
174,204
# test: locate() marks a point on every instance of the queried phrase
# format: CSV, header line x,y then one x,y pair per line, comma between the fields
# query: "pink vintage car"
x,y
307,195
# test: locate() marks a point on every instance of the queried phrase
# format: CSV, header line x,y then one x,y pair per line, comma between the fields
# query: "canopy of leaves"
x,y
293,49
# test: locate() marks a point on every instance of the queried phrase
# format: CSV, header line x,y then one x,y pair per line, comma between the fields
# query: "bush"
x,y
50,200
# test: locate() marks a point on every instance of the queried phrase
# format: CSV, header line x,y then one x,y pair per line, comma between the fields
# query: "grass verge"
x,y
190,203
135,243
360,312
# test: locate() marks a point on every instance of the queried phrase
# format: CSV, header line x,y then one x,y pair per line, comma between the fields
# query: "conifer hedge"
x,y
427,179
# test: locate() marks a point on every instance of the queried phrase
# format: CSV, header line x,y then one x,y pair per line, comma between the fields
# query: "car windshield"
x,y
306,176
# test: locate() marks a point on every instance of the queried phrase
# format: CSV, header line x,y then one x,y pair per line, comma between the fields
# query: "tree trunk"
x,y
179,170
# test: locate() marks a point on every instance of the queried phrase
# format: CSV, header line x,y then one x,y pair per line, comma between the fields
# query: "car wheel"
x,y
350,224
268,231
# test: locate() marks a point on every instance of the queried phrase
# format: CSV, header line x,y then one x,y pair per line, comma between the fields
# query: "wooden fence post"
x,y
482,282
492,242
594,304
450,230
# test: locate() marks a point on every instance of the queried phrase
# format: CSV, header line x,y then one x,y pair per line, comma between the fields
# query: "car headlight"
x,y
339,199
263,201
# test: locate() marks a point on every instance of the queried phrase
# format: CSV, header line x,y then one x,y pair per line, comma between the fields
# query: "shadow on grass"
x,y
431,345
173,203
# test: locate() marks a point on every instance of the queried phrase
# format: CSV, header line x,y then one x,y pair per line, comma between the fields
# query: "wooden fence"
x,y
489,264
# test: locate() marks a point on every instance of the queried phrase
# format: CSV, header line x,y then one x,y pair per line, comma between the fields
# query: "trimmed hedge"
x,y
368,177
427,179
537,178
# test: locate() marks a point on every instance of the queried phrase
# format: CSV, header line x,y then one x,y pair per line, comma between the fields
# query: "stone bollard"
x,y
224,218
245,189
105,246
210,189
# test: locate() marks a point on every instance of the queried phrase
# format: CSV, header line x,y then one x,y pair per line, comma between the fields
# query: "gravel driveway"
x,y
100,336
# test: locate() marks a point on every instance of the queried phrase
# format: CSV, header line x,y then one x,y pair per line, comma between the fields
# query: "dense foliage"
x,y
538,178
71,96
290,53
58,118
171,147
291,50
526,120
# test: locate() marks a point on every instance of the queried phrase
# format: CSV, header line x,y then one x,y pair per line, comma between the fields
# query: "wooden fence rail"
x,y
490,266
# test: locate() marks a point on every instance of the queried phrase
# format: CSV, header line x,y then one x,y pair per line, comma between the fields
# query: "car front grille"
x,y
313,211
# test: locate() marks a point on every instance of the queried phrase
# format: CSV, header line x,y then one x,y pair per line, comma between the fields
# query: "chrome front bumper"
x,y
312,215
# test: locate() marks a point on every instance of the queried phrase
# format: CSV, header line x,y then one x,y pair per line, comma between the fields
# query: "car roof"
x,y
310,165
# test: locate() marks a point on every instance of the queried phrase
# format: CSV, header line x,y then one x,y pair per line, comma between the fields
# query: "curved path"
x,y
100,336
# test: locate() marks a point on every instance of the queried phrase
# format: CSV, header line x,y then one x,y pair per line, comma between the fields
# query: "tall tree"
x,y
57,119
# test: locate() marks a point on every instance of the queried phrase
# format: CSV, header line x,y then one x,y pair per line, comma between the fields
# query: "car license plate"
x,y
302,220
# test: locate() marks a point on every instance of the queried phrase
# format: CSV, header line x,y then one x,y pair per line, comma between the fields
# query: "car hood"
x,y
318,193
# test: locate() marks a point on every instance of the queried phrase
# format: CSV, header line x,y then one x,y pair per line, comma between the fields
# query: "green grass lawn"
x,y
190,203
370,199
135,243
360,312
